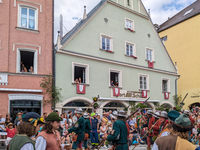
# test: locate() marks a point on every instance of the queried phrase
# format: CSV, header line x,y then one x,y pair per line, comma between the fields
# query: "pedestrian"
x,y
178,138
49,137
149,124
29,127
78,129
120,133
95,126
87,130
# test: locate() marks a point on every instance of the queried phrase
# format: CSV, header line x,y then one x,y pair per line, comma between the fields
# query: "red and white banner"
x,y
144,94
116,91
166,95
80,89
150,64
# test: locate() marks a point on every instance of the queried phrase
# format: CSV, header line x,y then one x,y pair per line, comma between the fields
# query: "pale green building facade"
x,y
114,43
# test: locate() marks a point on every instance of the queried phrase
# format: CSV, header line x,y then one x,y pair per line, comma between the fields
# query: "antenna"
x,y
61,26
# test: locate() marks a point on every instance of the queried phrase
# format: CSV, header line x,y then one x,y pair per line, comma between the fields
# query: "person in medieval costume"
x,y
149,124
156,125
49,137
79,129
87,130
172,115
163,121
178,138
187,112
29,127
119,133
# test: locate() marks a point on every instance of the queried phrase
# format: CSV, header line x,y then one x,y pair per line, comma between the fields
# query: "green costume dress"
x,y
79,129
18,141
87,130
119,138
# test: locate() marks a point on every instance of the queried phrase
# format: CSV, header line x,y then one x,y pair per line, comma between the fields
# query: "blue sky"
x,y
72,10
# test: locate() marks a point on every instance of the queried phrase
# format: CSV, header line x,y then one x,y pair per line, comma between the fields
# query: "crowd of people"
x,y
113,130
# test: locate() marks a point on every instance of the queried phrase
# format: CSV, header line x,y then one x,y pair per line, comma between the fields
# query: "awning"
x,y
127,99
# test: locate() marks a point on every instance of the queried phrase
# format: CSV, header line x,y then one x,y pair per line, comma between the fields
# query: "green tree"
x,y
53,92
177,99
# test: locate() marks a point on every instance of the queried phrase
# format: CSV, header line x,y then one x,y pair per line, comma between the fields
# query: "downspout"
x,y
176,85
176,93
53,52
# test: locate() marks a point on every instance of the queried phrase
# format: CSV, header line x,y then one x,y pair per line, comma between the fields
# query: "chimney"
x,y
176,67
61,26
84,14
58,41
149,13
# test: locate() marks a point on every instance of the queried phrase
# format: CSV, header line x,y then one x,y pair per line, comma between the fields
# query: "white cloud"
x,y
160,10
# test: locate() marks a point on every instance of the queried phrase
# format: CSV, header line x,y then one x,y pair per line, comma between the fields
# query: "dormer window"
x,y
189,11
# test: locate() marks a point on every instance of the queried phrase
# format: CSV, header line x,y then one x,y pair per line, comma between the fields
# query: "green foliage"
x,y
53,92
95,105
177,108
161,107
133,106
140,105
177,99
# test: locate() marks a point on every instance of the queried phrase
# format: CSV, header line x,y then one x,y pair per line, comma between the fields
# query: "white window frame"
x,y
111,41
19,59
19,16
147,77
128,19
168,84
86,66
134,48
153,56
119,76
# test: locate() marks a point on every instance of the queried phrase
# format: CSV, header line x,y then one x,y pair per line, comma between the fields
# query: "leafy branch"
x,y
53,92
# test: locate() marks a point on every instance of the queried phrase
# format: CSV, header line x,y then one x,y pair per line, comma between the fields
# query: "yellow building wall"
x,y
183,45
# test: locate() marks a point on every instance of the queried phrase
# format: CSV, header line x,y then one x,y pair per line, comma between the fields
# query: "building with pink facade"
x,y
25,54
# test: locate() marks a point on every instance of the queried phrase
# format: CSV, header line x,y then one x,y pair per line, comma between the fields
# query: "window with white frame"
x,y
149,54
130,49
27,61
28,17
106,42
143,82
165,85
115,78
80,73
129,24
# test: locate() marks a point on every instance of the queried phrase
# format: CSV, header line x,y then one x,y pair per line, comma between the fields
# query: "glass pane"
x,y
127,49
108,44
141,86
145,83
31,14
150,55
131,50
24,17
103,43
24,12
23,22
31,24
